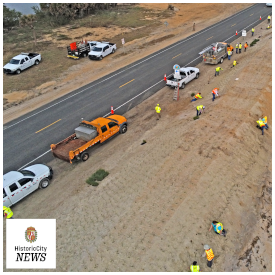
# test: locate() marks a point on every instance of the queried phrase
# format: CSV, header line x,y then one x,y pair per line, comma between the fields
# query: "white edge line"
x,y
7,127
129,99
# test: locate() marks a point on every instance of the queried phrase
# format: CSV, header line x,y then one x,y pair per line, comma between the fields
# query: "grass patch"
x,y
254,42
192,94
196,117
99,175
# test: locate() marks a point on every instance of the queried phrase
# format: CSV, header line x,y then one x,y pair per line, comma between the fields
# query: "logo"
x,y
31,234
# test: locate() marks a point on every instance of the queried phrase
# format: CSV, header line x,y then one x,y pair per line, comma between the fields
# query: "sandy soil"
x,y
153,211
180,26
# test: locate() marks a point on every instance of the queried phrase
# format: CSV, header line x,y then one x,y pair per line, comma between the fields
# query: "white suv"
x,y
19,184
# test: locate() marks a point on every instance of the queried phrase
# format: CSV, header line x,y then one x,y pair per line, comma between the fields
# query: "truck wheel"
x,y
84,54
84,156
123,129
182,86
36,62
197,76
221,61
18,71
100,58
113,50
44,183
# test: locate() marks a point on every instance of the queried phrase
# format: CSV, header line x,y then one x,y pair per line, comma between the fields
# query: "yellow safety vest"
x,y
237,46
240,46
253,30
219,224
218,69
209,254
8,212
234,63
268,17
198,96
195,268
199,107
229,52
260,123
158,109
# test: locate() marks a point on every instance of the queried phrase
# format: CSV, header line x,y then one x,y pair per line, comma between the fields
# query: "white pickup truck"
x,y
186,74
19,184
101,50
22,62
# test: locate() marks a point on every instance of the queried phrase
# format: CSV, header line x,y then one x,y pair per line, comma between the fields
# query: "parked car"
x,y
269,4
22,62
19,184
101,50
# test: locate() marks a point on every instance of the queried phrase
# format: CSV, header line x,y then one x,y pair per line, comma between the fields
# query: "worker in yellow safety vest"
x,y
209,255
268,18
234,63
197,96
252,31
229,53
240,47
218,228
7,212
218,69
215,93
269,26
237,48
200,109
262,123
195,267
158,109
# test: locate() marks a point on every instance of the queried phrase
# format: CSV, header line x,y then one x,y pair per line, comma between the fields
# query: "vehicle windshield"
x,y
96,49
14,61
27,173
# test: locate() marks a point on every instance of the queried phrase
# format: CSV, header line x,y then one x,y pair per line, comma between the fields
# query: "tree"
x,y
10,17
28,21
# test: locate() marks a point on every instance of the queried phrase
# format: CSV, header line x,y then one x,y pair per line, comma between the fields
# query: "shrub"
x,y
99,175
195,117
192,94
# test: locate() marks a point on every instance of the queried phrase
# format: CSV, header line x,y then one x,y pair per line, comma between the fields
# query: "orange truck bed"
x,y
75,147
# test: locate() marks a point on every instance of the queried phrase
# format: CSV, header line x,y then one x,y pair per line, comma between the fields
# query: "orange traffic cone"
x,y
260,18
236,33
112,110
165,77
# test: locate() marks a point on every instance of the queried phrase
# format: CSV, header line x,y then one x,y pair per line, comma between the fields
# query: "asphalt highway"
x,y
27,139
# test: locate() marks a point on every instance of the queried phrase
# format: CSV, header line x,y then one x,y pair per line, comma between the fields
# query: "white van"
x,y
19,184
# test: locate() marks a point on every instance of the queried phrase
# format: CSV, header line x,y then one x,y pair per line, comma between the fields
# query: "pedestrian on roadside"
x,y
229,54
218,69
194,27
262,125
195,267
252,31
200,109
215,93
7,212
197,96
268,18
208,252
234,63
240,47
218,228
158,109
245,46
237,48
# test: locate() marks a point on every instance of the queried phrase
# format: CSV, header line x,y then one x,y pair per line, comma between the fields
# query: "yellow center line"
x,y
209,38
234,25
126,83
47,126
251,14
176,56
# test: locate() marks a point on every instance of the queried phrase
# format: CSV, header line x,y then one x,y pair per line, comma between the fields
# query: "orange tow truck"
x,y
87,134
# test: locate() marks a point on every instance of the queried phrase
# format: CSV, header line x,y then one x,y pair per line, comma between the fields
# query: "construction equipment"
x,y
78,49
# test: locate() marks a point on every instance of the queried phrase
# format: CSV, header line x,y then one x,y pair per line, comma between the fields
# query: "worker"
x,y
240,47
252,31
229,53
218,228
215,93
237,48
158,109
7,212
245,46
218,71
269,26
262,125
200,109
268,18
195,267
209,255
197,96
234,63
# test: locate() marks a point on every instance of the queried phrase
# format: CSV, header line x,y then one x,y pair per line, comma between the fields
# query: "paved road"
x,y
27,138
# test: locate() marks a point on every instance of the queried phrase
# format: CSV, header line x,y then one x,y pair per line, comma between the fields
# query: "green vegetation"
x,y
254,42
99,175
196,117
192,94
10,17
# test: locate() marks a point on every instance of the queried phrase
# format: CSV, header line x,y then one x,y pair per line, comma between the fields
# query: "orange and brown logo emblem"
x,y
31,234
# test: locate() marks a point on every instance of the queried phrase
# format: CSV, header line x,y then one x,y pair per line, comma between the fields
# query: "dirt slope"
x,y
153,211
180,26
